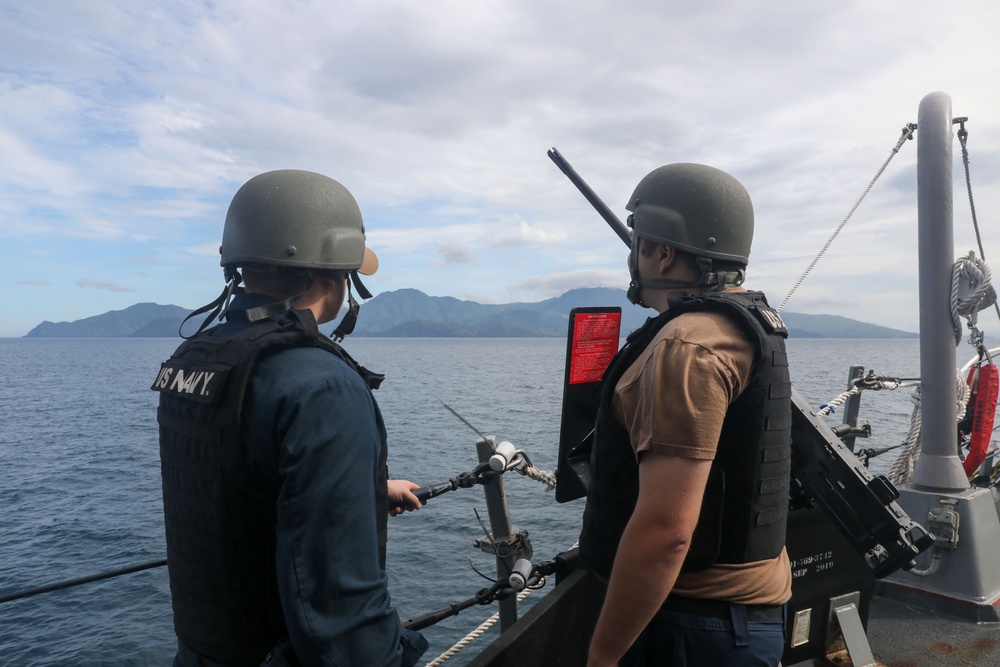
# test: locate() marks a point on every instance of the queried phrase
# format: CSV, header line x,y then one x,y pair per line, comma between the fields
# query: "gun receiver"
x,y
862,505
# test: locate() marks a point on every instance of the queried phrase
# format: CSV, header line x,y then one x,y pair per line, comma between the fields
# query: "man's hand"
x,y
400,495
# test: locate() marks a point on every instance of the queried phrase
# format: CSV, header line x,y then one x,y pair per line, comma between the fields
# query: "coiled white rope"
x,y
474,635
981,294
902,467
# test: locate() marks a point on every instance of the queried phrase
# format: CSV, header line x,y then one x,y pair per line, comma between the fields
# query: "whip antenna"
x,y
466,422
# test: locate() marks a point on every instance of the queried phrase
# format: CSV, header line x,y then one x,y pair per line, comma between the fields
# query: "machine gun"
x,y
824,470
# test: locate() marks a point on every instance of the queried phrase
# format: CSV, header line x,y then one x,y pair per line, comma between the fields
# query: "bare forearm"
x,y
644,573
651,551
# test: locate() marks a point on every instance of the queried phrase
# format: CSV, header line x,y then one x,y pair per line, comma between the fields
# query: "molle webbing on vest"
x,y
219,521
745,503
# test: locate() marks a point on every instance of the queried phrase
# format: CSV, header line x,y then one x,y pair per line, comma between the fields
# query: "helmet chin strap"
x,y
346,325
708,281
350,320
633,287
655,283
219,307
279,307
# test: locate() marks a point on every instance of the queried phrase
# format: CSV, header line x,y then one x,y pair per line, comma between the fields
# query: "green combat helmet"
x,y
295,219
698,209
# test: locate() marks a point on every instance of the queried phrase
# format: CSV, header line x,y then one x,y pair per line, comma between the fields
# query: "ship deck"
x,y
904,635
900,634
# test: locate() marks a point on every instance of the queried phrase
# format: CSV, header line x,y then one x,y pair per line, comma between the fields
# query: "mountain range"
x,y
409,313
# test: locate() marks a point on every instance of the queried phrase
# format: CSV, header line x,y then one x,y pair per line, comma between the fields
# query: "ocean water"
x,y
80,489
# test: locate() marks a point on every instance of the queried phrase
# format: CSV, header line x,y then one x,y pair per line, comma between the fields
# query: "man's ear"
x,y
667,256
330,278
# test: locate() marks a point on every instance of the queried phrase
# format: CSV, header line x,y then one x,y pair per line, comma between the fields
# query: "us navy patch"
x,y
196,382
770,318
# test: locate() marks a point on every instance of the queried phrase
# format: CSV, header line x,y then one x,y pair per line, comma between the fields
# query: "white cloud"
x,y
554,284
90,283
454,253
126,128
205,250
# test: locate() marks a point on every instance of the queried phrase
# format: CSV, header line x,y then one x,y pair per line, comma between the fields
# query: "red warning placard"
x,y
595,341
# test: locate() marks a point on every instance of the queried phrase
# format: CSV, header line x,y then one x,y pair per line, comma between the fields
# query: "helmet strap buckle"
x,y
716,281
350,319
633,294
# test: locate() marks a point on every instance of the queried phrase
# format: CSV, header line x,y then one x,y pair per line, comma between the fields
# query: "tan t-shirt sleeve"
x,y
673,399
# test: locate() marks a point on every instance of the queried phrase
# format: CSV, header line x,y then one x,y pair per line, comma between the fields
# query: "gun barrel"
x,y
616,225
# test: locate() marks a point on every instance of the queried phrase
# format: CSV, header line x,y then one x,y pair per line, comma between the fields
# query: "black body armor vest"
x,y
744,508
220,521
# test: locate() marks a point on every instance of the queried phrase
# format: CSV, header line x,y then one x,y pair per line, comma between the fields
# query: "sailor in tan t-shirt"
x,y
683,443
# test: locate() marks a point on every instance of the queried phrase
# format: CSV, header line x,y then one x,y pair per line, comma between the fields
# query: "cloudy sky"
x,y
126,127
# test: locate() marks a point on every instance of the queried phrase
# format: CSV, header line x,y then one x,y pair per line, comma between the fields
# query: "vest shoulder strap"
x,y
752,307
